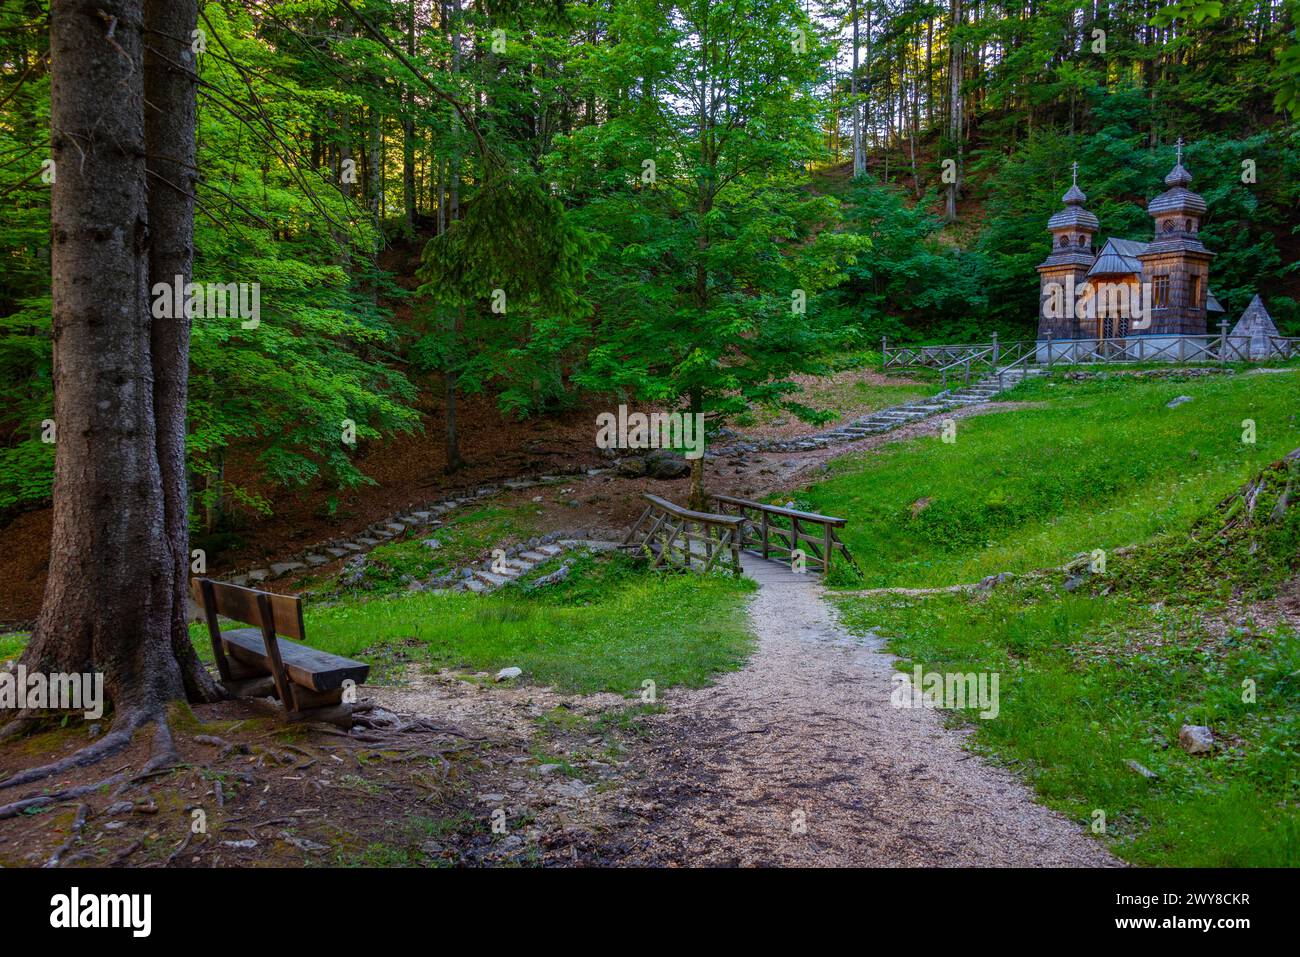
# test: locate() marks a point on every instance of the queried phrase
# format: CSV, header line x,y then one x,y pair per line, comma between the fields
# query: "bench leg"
x,y
339,714
309,705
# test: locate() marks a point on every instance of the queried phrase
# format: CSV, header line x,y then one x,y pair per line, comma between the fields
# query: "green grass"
x,y
610,627
12,644
1089,683
1101,464
839,396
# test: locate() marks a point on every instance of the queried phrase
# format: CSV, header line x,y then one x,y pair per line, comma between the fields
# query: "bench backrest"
x,y
241,604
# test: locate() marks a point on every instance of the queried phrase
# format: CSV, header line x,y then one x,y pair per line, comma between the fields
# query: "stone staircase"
x,y
519,560
886,420
424,517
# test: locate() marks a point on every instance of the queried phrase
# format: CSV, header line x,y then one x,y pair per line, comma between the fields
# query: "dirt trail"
x,y
807,726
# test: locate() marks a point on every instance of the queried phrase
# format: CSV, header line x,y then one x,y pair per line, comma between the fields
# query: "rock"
x,y
1074,582
354,572
1175,403
572,788
1142,770
316,560
491,798
303,844
559,575
666,464
431,543
920,505
282,568
246,844
545,769
120,807
511,842
993,581
1196,739
631,467
505,674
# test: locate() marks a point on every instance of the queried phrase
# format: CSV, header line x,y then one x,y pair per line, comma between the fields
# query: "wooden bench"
x,y
309,682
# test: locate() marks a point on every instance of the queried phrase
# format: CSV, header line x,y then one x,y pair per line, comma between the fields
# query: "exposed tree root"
x,y
78,822
163,753
43,800
116,740
19,725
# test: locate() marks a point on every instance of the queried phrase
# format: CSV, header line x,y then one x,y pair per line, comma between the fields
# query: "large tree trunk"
x,y
112,578
169,89
697,499
859,158
408,129
454,461
954,107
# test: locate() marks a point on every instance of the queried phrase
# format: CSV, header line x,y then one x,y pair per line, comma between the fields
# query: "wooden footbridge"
x,y
669,535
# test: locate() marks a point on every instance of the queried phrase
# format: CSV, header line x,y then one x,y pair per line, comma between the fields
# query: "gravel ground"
x,y
806,733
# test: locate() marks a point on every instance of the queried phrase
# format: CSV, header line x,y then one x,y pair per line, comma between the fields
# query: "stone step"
x,y
490,578
474,585
352,546
367,540
316,560
533,557
551,550
283,568
336,552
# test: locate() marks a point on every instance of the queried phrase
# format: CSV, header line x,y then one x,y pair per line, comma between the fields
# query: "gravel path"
x,y
806,732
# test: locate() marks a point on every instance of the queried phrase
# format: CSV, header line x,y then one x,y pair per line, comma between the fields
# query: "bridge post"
x,y
995,350
884,353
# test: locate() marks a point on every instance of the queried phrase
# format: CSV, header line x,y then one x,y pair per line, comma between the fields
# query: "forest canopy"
x,y
684,203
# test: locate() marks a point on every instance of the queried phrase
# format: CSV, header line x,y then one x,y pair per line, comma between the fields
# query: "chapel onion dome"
x,y
1074,214
1178,198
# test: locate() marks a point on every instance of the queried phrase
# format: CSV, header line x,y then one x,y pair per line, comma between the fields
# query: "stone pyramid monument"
x,y
1256,323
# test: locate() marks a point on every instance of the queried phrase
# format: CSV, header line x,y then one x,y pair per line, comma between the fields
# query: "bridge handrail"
x,y
708,518
780,510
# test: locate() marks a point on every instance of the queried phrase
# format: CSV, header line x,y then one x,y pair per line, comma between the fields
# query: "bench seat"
x,y
306,666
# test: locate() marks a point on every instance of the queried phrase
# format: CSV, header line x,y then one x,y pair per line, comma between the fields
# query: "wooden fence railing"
x,y
680,538
961,359
770,529
967,355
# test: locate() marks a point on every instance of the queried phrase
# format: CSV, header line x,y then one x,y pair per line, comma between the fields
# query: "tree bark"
x,y
454,461
112,578
859,159
408,129
954,106
169,91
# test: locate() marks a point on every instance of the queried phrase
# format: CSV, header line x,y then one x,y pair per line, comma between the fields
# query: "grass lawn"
x,y
843,393
609,627
1100,464
1088,684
